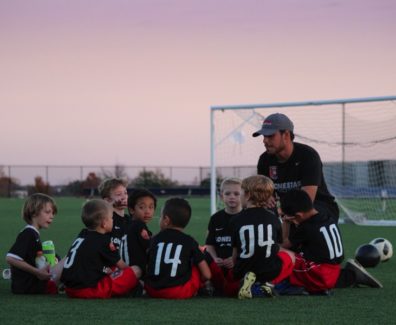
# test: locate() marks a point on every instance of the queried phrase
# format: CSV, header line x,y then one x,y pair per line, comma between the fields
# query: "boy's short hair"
x,y
93,212
260,189
295,201
108,185
138,194
178,211
230,181
34,204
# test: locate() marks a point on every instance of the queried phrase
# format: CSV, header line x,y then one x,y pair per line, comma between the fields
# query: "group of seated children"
x,y
250,250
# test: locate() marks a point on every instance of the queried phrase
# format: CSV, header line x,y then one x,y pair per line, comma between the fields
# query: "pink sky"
x,y
131,82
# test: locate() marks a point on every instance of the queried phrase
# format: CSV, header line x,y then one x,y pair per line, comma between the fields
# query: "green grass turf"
x,y
347,306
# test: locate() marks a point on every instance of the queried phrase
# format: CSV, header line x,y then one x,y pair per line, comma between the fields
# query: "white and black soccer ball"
x,y
384,247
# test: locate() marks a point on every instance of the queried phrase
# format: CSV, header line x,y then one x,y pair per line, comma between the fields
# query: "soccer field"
x,y
346,306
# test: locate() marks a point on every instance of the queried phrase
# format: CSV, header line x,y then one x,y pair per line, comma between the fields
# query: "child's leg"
x,y
218,279
287,266
232,284
314,277
56,271
117,283
102,290
123,281
184,291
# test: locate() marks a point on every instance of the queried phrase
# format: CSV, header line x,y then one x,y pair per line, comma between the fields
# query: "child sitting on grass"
x,y
93,267
141,206
29,275
257,233
218,240
176,267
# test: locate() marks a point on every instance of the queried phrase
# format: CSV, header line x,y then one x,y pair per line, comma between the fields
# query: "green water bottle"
x,y
49,252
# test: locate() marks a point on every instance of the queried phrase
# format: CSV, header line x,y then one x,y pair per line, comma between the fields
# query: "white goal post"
x,y
355,137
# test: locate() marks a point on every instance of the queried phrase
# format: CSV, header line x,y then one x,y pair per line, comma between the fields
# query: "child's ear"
x,y
167,220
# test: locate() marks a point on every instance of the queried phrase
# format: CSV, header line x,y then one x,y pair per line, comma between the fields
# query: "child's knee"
x,y
137,270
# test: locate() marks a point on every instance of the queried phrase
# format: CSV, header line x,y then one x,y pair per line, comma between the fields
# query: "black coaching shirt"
x,y
303,168
319,240
25,248
118,234
88,260
138,239
219,233
172,254
256,232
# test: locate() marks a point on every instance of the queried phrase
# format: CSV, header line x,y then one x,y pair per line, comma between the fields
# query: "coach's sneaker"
x,y
260,290
362,276
245,291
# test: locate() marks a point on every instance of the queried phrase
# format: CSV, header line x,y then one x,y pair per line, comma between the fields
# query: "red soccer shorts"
x,y
287,267
51,288
223,280
184,291
117,283
314,277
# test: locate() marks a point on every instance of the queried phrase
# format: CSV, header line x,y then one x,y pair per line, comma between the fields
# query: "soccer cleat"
x,y
262,290
245,291
361,275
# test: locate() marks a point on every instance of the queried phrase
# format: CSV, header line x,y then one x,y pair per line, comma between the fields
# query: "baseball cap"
x,y
273,123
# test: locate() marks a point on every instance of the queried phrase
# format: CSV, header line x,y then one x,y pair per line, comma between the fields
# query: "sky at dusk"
x,y
131,82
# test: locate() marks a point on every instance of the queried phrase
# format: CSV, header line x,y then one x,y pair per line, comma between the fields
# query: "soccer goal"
x,y
356,139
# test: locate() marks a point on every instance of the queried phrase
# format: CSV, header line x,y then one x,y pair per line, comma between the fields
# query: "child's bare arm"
x,y
42,274
285,233
211,250
204,269
234,255
121,264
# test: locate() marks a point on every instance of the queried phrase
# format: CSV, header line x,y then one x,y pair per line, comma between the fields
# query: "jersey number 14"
x,y
175,261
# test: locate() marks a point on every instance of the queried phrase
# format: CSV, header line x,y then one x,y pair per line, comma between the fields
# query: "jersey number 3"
x,y
72,253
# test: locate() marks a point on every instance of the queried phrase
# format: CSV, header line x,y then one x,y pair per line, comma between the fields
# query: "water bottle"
x,y
49,252
40,260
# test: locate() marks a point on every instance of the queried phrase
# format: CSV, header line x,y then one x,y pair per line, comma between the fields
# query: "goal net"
x,y
356,139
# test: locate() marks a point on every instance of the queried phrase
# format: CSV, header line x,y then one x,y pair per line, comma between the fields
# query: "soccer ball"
x,y
384,247
368,255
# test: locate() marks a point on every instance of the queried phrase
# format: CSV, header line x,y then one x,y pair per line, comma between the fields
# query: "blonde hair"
x,y
260,188
34,204
93,212
109,185
230,181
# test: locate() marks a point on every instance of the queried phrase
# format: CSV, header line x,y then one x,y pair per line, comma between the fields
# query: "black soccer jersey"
x,y
319,240
25,248
89,259
138,240
219,233
256,232
171,256
303,168
118,234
